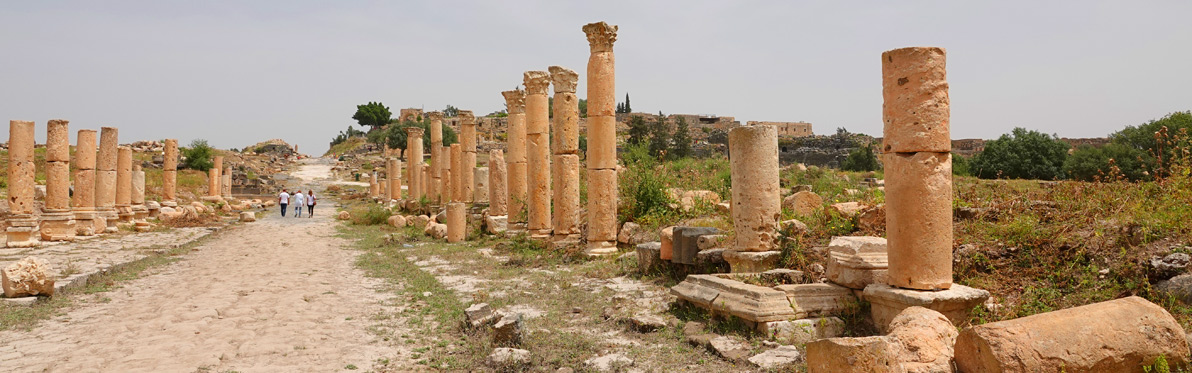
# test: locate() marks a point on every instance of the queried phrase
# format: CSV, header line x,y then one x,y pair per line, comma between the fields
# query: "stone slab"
x,y
955,303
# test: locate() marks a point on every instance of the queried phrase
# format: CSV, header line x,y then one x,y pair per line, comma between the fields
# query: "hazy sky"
x,y
236,72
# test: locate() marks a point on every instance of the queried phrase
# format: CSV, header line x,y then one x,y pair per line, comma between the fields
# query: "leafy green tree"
x,y
372,114
1091,162
450,111
659,137
683,141
628,109
1138,152
961,166
396,136
861,159
1022,154
639,133
199,156
583,107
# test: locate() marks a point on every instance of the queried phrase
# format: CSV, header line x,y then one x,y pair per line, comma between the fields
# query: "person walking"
x,y
310,204
283,199
299,201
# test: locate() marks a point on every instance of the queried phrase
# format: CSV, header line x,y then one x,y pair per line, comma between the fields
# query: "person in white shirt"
x,y
299,201
283,199
310,203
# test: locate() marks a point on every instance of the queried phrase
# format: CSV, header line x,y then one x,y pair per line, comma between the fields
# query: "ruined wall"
x,y
410,115
787,129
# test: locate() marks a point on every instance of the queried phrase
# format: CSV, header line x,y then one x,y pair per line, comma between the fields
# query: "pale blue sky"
x,y
237,72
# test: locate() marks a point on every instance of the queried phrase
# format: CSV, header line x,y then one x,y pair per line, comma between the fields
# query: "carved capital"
x,y
536,82
466,117
414,131
600,36
435,116
564,79
515,101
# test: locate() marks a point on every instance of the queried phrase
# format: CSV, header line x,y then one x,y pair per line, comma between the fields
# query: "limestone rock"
x,y
1169,266
802,331
645,323
793,227
782,276
1179,286
508,331
712,258
648,256
436,230
507,358
608,363
729,348
847,209
857,261
666,250
496,224
814,300
27,277
479,314
397,221
1119,335
926,338
777,358
631,234
344,215
710,241
750,302
886,302
803,203
248,217
685,243
872,219
421,221
870,354
752,262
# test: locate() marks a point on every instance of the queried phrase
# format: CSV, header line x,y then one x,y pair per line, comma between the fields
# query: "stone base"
x,y
814,300
22,231
751,303
540,234
751,262
142,226
110,218
955,303
601,248
59,226
496,224
801,331
140,212
169,203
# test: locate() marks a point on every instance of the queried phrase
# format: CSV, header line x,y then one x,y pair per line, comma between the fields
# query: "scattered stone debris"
x,y
508,358
780,357
479,314
28,277
645,323
1169,266
730,348
508,331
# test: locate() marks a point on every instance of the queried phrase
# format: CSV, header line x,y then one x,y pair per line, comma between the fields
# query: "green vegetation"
x,y
344,136
682,140
198,156
372,114
659,137
1136,152
861,159
1022,154
623,107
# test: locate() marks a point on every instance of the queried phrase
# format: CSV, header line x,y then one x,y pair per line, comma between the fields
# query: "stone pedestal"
x,y
955,303
602,139
105,178
58,222
756,193
538,153
22,226
480,188
169,174
436,157
565,148
516,160
457,221
414,159
497,192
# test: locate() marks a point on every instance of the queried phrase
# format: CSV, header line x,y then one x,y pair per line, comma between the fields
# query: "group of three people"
x,y
300,200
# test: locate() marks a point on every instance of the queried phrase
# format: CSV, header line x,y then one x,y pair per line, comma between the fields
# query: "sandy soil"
x,y
281,294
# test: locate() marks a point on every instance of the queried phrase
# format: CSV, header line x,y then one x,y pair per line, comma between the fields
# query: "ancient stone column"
x,y
57,220
480,189
213,183
225,183
87,220
457,221
467,139
124,183
436,157
497,195
457,173
515,164
917,146
22,225
414,151
374,185
445,179
565,147
139,210
393,172
756,195
105,181
602,140
538,153
169,173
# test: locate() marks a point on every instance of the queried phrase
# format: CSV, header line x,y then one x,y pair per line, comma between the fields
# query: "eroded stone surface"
x,y
955,303
857,261
29,276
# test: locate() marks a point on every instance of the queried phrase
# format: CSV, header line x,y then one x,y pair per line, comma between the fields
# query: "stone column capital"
x,y
564,79
600,36
435,115
466,117
414,131
515,101
536,82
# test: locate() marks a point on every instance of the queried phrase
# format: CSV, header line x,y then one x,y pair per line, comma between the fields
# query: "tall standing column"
x,y
105,181
169,174
480,189
393,172
57,221
87,221
497,193
414,154
515,164
22,225
467,139
565,146
917,146
602,140
457,174
225,183
538,153
124,183
445,180
140,212
757,196
436,157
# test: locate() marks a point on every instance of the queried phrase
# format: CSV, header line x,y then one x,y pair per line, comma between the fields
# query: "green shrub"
x,y
861,159
1022,154
961,165
375,215
199,156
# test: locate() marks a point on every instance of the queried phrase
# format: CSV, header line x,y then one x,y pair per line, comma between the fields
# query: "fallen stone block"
x,y
872,219
421,221
496,224
802,331
955,303
344,215
752,262
27,277
729,348
397,221
856,262
1120,335
507,358
508,331
479,314
847,209
792,227
686,243
803,203
814,300
644,323
749,302
710,241
666,238
777,358
248,217
436,230
648,256
925,338
630,233
868,354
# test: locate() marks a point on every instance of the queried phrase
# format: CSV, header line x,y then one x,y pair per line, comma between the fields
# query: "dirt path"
x,y
281,294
